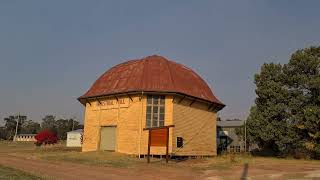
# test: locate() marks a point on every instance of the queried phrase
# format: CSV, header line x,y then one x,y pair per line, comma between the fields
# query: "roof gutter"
x,y
217,105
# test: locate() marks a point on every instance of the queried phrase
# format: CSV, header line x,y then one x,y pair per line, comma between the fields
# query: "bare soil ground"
x,y
62,163
65,170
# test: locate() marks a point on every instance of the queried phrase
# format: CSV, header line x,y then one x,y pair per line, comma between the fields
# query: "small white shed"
x,y
74,138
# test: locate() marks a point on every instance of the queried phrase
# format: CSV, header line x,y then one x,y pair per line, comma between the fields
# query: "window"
x,y
237,148
155,111
231,149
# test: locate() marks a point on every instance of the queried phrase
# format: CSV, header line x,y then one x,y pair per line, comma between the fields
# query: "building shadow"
x,y
245,172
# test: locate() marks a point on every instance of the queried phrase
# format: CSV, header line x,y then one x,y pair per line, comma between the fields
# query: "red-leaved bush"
x,y
46,137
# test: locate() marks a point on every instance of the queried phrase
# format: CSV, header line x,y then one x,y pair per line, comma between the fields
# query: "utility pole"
x,y
17,124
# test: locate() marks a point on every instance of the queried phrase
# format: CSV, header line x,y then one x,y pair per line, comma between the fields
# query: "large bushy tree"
x,y
286,116
65,125
11,123
60,126
49,123
30,127
24,126
3,133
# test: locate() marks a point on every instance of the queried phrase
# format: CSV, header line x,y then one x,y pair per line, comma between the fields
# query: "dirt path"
x,y
67,170
64,170
263,170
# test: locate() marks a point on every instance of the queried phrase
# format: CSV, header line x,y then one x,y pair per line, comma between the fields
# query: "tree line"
x,y
49,122
286,116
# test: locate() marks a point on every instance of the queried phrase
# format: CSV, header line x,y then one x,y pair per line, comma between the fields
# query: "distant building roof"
x,y
76,131
234,123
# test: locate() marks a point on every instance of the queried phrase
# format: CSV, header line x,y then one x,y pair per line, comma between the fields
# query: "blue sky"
x,y
52,51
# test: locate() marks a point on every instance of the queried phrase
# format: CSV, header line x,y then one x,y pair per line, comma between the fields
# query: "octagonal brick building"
x,y
151,92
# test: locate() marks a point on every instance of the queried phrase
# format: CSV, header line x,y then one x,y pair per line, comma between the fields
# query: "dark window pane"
x,y
161,123
149,99
162,100
148,123
155,101
155,124
155,109
162,117
162,109
148,116
148,109
155,117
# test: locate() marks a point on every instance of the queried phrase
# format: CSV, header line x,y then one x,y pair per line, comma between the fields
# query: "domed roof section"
x,y
151,74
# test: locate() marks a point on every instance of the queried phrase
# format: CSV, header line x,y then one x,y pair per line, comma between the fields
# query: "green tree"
x,y
287,111
30,127
64,126
60,126
11,123
3,133
49,123
303,81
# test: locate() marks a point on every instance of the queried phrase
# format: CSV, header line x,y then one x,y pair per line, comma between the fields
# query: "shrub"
x,y
318,151
46,137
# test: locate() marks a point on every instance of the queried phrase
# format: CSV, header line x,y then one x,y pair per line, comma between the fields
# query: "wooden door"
x,y
108,138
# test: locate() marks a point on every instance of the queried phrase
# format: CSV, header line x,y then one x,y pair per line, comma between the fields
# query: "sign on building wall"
x,y
112,103
159,137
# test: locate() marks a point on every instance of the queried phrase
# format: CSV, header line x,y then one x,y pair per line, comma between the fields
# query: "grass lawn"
x,y
14,174
111,159
60,152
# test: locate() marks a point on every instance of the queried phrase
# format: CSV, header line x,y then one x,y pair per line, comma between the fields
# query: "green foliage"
x,y
287,111
49,123
11,123
3,133
24,126
317,150
30,127
65,125
61,126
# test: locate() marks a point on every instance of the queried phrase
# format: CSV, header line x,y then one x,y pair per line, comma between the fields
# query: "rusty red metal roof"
x,y
151,74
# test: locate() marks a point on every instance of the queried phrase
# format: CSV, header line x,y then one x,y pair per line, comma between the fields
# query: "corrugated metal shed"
x,y
151,74
74,138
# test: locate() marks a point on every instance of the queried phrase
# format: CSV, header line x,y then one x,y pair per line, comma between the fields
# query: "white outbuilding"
x,y
74,138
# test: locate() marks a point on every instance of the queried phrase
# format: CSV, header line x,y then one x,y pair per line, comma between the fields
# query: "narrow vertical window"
x,y
155,111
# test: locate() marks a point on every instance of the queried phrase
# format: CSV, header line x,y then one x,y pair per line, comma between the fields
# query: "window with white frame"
x,y
155,111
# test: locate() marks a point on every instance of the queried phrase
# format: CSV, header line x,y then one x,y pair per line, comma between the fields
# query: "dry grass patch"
x,y
60,152
14,174
109,159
